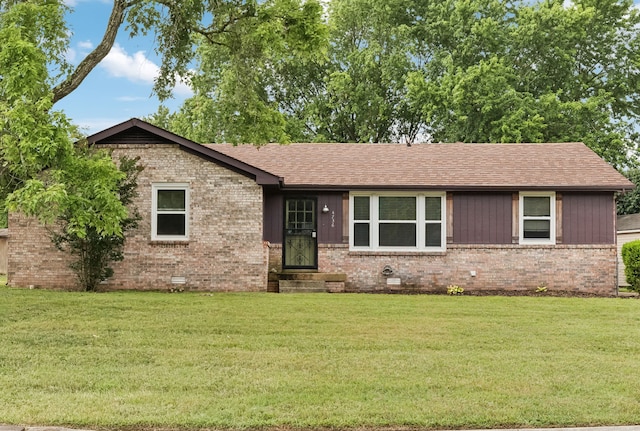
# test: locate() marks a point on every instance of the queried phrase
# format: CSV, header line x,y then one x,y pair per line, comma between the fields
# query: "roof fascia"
x,y
457,188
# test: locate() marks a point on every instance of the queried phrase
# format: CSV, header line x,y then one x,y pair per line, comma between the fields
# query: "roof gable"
x,y
135,131
132,135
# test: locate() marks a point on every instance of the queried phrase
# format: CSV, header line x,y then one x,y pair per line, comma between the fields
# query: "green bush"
x,y
631,259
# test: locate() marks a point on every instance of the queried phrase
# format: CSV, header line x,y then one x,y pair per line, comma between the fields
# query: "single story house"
x,y
352,218
628,226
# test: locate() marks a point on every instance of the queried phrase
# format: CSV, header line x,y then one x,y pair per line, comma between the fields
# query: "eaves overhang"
x,y
457,187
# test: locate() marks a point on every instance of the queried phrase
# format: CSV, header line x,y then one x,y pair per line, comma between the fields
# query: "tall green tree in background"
x,y
519,71
240,70
629,202
358,93
353,90
273,71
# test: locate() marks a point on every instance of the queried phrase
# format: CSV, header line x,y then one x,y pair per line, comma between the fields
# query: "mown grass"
x,y
306,361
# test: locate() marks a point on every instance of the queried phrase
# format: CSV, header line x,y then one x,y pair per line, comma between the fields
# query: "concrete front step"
x,y
302,286
313,276
306,281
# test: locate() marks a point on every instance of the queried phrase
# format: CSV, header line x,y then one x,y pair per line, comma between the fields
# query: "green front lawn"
x,y
262,360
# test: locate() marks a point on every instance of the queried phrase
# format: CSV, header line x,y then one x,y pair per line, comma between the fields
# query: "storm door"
x,y
300,245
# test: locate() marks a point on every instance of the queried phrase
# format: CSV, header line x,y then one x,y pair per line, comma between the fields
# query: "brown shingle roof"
x,y
561,166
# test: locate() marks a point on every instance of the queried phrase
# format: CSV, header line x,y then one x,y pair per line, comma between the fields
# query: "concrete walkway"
x,y
605,428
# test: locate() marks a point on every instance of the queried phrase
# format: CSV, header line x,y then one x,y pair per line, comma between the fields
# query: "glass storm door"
x,y
300,246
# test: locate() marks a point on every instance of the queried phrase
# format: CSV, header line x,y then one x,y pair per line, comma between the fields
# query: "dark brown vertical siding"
x,y
482,218
329,224
272,217
588,218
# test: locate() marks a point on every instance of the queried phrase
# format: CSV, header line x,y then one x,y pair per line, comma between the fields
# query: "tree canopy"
x,y
520,71
42,173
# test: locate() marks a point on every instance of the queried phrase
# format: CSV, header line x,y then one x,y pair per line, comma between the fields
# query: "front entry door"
x,y
300,249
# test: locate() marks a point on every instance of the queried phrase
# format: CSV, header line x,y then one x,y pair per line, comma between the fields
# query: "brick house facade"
x,y
224,250
353,218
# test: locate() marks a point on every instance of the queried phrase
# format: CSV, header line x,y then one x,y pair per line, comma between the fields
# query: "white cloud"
x,y
182,88
136,68
86,44
71,55
83,48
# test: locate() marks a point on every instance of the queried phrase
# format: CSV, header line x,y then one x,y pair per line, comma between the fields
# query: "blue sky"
x,y
121,86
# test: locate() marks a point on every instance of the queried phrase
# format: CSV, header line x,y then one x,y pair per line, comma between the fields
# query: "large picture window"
x,y
170,208
537,218
397,221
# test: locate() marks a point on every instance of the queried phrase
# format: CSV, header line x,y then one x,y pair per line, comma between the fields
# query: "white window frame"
x,y
421,221
154,211
551,218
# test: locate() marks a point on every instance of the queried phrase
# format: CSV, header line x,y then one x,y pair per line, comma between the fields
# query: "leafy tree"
x,y
355,93
452,70
32,136
629,202
35,137
43,173
234,80
93,250
40,164
516,71
358,95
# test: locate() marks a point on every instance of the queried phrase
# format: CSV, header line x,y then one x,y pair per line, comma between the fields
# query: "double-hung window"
x,y
537,218
170,212
397,221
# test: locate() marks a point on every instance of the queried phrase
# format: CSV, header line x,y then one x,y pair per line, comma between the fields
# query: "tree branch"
x,y
210,32
100,52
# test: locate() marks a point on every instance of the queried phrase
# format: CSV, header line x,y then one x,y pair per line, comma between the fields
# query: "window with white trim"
x,y
537,218
170,212
397,221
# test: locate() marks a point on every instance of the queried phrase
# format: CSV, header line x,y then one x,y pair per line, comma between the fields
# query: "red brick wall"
x,y
33,260
225,250
578,269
